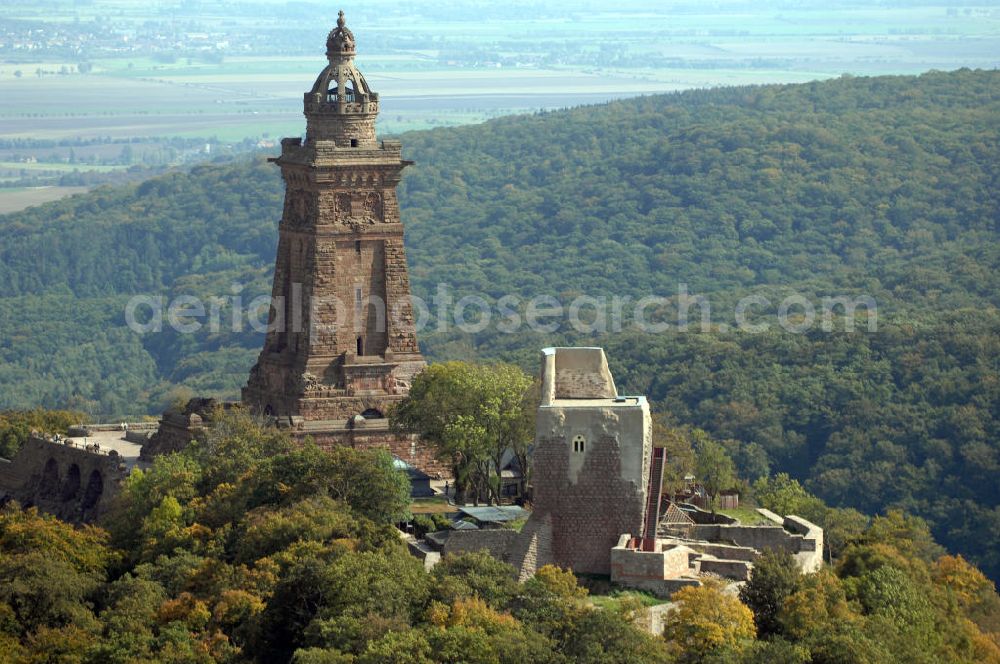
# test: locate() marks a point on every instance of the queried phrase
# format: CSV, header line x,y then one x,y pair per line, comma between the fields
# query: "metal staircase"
x,y
653,499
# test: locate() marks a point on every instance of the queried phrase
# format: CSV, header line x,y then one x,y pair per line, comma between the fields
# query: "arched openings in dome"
x,y
353,82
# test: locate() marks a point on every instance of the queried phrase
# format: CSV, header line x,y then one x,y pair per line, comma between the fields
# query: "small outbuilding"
x,y
420,482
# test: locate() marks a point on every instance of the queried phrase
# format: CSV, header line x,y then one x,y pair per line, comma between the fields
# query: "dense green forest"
x,y
246,548
885,187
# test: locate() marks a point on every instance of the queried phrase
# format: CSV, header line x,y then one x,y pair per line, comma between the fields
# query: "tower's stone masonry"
x,y
409,448
341,340
591,466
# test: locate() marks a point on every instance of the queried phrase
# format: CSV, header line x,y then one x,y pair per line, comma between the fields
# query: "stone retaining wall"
x,y
737,570
657,571
497,542
756,537
61,478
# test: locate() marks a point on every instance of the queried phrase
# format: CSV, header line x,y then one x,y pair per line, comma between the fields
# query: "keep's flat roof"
x,y
618,402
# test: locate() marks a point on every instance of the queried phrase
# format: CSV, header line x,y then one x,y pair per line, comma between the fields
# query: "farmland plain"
x,y
177,82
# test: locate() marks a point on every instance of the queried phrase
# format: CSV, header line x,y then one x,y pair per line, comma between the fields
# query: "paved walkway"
x,y
113,440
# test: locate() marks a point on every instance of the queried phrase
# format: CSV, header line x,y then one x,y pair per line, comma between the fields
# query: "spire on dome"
x,y
340,41
341,107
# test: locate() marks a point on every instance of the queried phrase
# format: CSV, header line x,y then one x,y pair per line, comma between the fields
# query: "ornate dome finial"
x,y
340,41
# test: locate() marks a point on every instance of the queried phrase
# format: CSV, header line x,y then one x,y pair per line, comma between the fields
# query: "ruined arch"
x,y
92,493
71,485
372,414
49,486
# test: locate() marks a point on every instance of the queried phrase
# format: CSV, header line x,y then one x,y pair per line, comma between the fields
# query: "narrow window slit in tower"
x,y
357,246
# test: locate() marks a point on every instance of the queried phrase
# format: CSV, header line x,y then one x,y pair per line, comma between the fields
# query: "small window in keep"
x,y
579,443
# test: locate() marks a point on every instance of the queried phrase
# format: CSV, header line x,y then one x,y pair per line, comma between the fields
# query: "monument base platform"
x,y
374,433
179,427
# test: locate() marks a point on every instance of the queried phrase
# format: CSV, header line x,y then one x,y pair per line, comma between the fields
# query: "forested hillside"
x,y
886,187
251,548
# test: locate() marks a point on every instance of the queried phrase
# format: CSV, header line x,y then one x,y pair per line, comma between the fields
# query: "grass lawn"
x,y
747,515
435,505
517,525
613,600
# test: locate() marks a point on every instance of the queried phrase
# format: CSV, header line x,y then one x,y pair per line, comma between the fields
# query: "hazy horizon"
x,y
172,80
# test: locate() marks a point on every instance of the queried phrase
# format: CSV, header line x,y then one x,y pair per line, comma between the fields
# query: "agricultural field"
x,y
117,71
14,199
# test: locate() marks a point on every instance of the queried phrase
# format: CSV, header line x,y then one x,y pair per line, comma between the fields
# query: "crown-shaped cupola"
x,y
341,107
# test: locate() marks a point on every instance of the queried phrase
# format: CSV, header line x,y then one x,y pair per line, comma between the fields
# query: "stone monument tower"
x,y
341,340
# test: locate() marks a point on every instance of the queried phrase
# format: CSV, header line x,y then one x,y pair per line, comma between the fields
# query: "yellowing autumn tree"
x,y
707,622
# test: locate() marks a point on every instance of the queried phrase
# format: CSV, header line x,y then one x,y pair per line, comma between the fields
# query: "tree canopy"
x,y
883,187
474,415
247,548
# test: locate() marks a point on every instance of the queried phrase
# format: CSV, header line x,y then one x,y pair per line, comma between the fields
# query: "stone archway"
x,y
92,493
49,486
372,414
71,485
